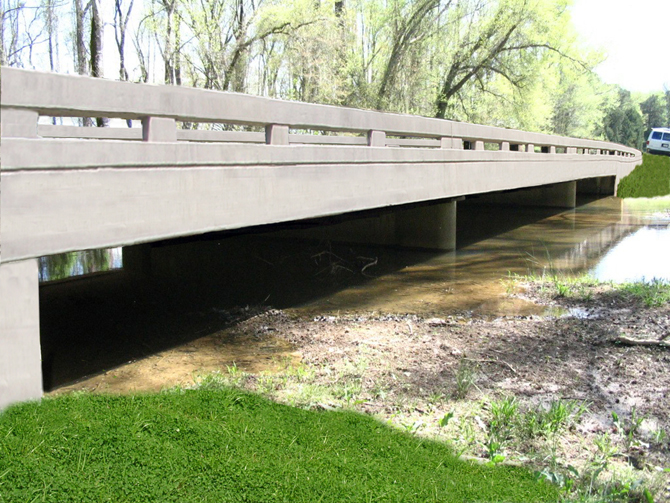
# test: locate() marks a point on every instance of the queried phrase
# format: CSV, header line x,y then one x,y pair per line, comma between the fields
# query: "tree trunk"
x,y
96,50
81,54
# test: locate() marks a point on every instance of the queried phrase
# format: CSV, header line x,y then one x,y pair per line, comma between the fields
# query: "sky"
x,y
635,35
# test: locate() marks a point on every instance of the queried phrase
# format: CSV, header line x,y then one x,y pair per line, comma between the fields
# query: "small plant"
x,y
654,293
493,449
435,398
412,428
501,424
465,379
446,418
562,289
214,380
660,436
503,417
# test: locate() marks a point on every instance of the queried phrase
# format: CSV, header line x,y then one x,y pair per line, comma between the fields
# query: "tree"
x,y
20,31
653,113
623,122
121,17
506,39
408,31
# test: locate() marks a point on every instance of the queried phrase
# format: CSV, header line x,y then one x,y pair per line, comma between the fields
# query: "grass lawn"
x,y
649,179
228,445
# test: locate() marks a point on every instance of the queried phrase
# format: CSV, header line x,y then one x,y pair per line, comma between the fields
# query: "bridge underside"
x,y
430,225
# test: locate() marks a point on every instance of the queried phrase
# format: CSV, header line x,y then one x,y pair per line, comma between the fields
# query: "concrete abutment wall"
x,y
20,355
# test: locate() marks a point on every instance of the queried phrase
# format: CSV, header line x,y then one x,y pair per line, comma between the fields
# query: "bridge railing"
x,y
27,95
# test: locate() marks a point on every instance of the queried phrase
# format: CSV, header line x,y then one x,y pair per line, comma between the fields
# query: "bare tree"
x,y
81,53
21,29
96,49
120,29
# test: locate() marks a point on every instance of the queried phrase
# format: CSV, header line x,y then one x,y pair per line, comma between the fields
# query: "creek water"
x,y
134,337
609,239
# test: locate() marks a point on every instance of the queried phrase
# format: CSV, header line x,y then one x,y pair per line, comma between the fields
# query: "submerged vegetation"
x,y
649,179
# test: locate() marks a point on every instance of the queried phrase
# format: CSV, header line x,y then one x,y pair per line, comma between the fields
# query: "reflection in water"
x,y
642,256
65,265
570,242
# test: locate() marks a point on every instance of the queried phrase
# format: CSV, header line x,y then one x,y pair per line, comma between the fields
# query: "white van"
x,y
659,141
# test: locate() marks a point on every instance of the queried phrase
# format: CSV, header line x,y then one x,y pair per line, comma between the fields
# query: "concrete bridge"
x,y
253,161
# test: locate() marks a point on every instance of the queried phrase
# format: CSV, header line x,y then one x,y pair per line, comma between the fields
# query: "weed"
x,y
435,399
212,381
446,418
412,427
465,379
562,289
503,417
348,391
660,436
561,415
654,293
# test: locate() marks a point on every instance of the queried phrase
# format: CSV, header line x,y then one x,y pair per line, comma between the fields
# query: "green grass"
x,y
653,294
649,179
225,445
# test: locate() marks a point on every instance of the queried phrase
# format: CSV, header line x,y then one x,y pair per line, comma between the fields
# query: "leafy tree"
x,y
507,39
653,112
623,122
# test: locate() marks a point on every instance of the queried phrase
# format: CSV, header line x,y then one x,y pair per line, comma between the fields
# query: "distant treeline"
x,y
511,63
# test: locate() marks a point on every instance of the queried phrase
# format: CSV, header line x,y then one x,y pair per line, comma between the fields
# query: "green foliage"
x,y
558,417
654,293
226,445
654,113
623,122
649,179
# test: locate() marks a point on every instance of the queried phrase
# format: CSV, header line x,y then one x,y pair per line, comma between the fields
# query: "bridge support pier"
x,y
429,226
601,186
20,354
558,195
137,261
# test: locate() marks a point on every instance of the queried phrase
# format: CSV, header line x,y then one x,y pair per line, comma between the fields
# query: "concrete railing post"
x,y
18,123
451,143
479,145
530,147
571,150
159,129
276,134
552,149
376,139
504,146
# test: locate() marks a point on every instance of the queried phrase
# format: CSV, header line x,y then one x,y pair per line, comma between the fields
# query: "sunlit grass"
x,y
221,444
650,179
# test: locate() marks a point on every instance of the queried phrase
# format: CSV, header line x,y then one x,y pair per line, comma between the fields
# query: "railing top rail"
x,y
54,94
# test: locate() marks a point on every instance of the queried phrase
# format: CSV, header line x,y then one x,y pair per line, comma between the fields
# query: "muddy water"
x,y
107,334
609,238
